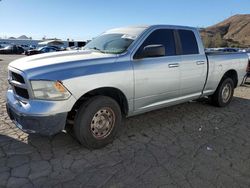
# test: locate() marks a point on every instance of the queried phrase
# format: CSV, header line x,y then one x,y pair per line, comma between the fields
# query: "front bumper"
x,y
44,125
43,117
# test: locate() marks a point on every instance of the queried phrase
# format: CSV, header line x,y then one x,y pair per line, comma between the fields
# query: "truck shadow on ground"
x,y
193,135
189,118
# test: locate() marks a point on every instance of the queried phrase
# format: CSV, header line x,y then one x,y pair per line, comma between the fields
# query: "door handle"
x,y
200,62
173,65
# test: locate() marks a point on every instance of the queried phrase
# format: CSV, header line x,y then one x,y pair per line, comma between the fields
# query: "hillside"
x,y
232,32
23,37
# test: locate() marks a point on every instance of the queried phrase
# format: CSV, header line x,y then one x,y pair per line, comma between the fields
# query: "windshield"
x,y
39,48
111,43
7,47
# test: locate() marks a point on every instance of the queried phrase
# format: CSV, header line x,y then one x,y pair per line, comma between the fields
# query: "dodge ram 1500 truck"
x,y
121,73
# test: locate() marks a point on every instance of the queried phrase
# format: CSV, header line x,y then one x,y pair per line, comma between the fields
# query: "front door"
x,y
157,79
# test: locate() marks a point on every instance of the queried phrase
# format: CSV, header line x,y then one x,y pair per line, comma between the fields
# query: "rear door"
x,y
193,65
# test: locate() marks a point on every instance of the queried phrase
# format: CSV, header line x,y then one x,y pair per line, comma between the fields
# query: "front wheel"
x,y
97,122
224,93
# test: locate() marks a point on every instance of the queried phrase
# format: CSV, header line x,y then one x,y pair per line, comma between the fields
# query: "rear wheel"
x,y
97,122
224,93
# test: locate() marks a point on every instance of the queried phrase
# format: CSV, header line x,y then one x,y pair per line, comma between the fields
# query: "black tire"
x,y
217,98
85,117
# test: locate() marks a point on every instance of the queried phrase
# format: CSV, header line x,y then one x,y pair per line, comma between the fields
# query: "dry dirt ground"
x,y
188,145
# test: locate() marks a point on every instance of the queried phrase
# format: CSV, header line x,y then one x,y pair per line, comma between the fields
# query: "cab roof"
x,y
138,29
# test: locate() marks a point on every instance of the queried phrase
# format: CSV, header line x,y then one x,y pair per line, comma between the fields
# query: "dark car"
x,y
12,50
41,50
228,50
248,72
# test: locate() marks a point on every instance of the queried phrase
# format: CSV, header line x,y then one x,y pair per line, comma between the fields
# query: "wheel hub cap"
x,y
226,93
102,123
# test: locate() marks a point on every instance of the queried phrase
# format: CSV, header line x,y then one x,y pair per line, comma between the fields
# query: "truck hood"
x,y
63,65
55,59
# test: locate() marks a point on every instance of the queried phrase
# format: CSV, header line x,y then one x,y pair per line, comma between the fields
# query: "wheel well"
x,y
114,93
232,74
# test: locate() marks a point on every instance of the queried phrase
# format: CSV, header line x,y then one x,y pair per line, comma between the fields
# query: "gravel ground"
x,y
188,145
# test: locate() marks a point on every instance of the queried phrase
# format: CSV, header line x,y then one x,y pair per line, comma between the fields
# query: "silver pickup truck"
x,y
121,73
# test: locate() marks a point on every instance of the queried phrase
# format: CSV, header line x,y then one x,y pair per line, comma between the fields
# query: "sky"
x,y
85,19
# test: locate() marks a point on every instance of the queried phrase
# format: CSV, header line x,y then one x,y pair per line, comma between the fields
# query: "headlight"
x,y
49,90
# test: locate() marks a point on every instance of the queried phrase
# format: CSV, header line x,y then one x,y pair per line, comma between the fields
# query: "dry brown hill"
x,y
234,32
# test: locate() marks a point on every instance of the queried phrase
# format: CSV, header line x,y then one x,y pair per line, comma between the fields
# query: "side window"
x,y
163,37
188,42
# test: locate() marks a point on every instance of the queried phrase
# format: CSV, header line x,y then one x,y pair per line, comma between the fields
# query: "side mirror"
x,y
155,50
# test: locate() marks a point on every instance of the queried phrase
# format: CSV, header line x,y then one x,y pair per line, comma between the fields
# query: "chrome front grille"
x,y
18,84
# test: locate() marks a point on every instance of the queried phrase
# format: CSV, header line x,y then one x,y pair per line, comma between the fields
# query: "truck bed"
x,y
220,62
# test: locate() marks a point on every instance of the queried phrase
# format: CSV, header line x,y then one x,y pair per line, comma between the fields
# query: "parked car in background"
x,y
12,50
25,47
62,48
32,47
73,48
5,44
45,49
228,50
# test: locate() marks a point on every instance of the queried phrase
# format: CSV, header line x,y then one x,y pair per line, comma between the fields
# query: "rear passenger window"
x,y
164,37
188,42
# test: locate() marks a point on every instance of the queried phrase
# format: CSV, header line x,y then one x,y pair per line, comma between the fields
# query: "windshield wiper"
x,y
97,49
